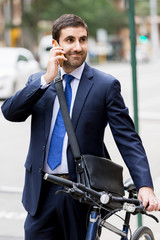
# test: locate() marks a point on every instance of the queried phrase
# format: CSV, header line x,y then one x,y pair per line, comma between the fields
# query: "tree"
x,y
142,7
97,14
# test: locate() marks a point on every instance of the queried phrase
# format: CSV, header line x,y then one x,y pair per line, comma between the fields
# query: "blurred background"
x,y
25,41
24,23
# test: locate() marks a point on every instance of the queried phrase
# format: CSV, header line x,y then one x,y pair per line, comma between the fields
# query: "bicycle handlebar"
x,y
131,205
103,197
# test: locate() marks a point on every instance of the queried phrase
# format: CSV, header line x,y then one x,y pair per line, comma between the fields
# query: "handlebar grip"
x,y
58,180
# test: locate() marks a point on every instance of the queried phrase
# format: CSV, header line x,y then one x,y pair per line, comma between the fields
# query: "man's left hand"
x,y
147,196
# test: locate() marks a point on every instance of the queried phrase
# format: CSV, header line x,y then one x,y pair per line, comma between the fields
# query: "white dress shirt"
x,y
63,168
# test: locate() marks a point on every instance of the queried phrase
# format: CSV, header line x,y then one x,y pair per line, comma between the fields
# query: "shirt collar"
x,y
77,73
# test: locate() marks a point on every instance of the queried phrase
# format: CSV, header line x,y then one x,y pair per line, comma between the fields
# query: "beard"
x,y
74,59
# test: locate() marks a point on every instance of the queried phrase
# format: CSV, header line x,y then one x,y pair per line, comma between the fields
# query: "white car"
x,y
16,64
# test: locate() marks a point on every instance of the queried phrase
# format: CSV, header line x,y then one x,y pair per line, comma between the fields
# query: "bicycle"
x,y
99,201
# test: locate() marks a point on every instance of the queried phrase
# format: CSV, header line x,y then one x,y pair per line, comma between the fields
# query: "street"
x,y
14,139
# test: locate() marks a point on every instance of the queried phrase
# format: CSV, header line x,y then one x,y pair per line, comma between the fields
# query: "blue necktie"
x,y
56,144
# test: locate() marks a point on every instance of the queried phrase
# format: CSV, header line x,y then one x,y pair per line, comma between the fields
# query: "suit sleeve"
x,y
19,107
126,138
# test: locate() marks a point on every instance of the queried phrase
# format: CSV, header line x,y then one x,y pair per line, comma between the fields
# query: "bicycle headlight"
x,y
128,207
104,198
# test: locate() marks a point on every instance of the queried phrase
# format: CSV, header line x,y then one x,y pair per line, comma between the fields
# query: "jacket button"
x,y
40,170
43,148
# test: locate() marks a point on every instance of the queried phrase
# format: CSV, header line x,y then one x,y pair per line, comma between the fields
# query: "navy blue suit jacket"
x,y
98,102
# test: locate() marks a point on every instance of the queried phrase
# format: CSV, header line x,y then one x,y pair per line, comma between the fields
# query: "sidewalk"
x,y
10,238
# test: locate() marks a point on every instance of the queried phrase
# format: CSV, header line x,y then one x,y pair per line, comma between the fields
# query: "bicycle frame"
x,y
93,223
94,219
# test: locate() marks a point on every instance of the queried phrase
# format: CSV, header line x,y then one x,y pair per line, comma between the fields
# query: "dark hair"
x,y
67,20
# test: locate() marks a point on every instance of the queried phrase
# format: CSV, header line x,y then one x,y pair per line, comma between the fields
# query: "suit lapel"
x,y
85,86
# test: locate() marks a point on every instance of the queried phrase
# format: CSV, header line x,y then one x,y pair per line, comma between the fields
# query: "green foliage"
x,y
142,8
97,14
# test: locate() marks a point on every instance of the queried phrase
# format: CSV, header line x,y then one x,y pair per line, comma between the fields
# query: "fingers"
x,y
57,53
56,57
153,205
150,202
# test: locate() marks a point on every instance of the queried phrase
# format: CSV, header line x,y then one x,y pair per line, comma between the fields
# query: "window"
x,y
22,58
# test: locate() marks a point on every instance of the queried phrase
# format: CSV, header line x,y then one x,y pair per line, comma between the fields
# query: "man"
x,y
96,101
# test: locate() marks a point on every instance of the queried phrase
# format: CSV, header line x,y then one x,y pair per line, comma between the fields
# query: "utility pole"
x,y
133,61
130,5
8,18
154,30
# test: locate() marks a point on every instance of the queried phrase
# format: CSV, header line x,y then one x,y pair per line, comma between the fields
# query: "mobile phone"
x,y
55,43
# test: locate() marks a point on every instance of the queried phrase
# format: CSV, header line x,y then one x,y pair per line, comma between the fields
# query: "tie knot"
x,y
68,78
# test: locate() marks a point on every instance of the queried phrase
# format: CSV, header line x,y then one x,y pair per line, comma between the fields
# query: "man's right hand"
x,y
147,196
52,66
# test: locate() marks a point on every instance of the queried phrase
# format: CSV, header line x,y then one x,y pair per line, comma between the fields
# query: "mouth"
x,y
75,54
75,58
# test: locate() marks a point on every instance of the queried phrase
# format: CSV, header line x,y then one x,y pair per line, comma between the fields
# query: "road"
x,y
14,138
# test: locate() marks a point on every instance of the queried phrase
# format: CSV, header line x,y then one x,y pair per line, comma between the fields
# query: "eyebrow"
x,y
70,36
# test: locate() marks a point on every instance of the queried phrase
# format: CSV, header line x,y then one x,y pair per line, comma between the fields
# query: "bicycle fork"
x,y
93,223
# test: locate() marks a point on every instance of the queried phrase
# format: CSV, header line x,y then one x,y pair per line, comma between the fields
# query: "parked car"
x,y
45,44
16,64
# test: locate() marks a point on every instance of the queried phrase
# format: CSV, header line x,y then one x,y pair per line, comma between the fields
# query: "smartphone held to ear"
x,y
55,43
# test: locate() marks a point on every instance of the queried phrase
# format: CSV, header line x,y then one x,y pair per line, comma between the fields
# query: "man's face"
x,y
73,40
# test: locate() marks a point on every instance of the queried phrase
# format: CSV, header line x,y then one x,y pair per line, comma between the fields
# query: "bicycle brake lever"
x,y
150,215
74,192
65,190
142,210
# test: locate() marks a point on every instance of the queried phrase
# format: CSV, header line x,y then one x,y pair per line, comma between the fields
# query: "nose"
x,y
77,46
